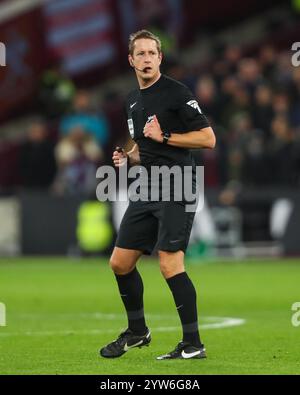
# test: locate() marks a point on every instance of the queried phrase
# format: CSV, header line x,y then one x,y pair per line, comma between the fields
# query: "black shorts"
x,y
149,226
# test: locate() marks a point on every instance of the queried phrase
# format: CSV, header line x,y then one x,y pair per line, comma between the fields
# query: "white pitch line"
x,y
102,316
224,322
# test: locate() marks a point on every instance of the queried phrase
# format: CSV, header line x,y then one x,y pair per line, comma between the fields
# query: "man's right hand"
x,y
119,157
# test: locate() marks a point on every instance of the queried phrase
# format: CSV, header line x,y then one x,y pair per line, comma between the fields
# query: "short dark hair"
x,y
143,34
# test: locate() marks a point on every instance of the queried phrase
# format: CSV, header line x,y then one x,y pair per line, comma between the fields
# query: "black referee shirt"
x,y
177,111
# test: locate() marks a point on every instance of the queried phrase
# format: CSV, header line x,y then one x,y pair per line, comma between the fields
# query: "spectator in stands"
x,y
246,151
174,68
255,170
249,74
280,105
239,102
267,60
284,69
77,155
85,117
295,99
281,152
296,84
113,108
37,164
232,56
262,111
206,93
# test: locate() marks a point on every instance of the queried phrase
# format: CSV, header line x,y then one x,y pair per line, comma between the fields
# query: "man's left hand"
x,y
153,131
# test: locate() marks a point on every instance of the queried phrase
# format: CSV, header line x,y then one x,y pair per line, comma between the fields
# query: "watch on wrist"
x,y
166,136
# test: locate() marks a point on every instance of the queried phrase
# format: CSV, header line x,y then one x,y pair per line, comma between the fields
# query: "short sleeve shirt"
x,y
177,111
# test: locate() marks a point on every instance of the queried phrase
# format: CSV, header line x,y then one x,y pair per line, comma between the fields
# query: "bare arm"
x,y
134,156
203,138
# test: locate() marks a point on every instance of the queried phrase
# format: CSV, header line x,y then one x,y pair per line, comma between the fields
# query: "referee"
x,y
164,120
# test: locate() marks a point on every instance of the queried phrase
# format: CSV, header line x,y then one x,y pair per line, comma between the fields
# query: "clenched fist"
x,y
152,130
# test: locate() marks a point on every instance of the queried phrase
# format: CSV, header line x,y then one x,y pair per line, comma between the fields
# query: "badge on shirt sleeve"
x,y
130,127
194,104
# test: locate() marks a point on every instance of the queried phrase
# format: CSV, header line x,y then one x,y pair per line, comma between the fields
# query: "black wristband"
x,y
166,136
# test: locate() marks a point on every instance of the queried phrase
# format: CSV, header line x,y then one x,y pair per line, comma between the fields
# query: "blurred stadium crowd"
x,y
62,114
253,104
252,101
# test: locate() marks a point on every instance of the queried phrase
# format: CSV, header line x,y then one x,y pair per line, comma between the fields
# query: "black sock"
x,y
185,298
131,290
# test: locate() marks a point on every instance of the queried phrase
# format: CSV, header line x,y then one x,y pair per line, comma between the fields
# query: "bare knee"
x,y
167,271
171,263
119,267
123,262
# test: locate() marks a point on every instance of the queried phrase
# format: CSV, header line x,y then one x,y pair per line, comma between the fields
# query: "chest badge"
x,y
130,127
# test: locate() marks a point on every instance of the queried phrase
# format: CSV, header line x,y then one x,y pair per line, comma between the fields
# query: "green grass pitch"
x,y
61,311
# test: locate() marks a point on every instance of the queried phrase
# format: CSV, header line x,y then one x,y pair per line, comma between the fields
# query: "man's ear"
x,y
160,55
130,60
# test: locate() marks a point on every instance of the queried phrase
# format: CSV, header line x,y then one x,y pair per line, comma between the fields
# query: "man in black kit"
x,y
164,120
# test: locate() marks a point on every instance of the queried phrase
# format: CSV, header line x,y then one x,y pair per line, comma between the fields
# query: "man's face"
x,y
146,58
37,132
81,101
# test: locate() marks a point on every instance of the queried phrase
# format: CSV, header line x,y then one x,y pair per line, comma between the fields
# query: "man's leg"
x,y
123,263
137,235
184,294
